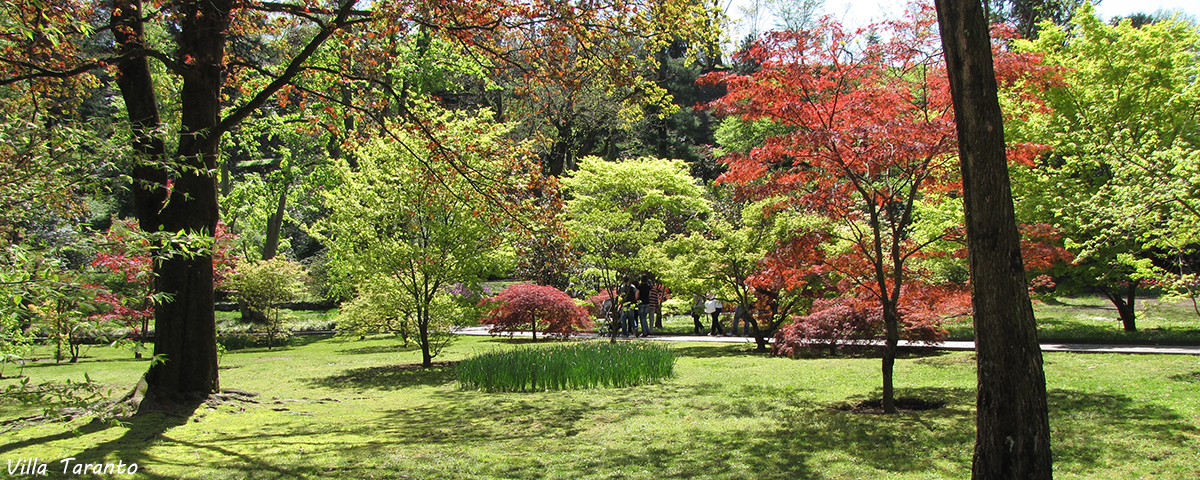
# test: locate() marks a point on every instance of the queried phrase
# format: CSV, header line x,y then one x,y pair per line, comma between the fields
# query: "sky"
x,y
861,12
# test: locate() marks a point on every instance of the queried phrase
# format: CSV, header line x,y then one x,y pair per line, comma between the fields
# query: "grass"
x,y
568,366
336,408
1094,319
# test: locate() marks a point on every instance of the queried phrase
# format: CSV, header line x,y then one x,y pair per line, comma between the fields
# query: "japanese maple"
x,y
126,255
869,144
537,307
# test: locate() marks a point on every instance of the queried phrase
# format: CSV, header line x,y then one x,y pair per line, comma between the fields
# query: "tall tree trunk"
x,y
274,223
1012,422
185,329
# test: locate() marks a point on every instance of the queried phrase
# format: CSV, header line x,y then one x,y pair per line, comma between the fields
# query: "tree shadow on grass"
x,y
1083,421
722,350
396,348
303,340
390,377
87,429
871,352
130,448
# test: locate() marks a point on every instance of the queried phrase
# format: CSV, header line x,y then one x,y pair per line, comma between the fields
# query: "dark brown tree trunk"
x,y
271,245
423,332
185,330
141,105
1012,423
891,323
1125,304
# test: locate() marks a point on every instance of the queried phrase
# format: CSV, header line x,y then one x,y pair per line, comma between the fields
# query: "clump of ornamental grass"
x,y
568,366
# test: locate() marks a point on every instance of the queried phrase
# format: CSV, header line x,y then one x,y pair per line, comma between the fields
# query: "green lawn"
x,y
1093,319
337,408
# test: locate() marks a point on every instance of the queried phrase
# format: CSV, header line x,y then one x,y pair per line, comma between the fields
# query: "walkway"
x,y
949,345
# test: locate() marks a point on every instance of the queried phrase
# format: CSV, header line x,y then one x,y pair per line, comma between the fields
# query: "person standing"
x,y
741,315
628,300
697,312
712,306
644,287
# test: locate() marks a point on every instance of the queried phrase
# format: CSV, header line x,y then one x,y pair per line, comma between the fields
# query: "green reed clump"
x,y
568,366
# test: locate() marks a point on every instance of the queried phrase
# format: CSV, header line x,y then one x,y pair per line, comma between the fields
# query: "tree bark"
x,y
274,223
1125,305
185,330
891,322
1012,422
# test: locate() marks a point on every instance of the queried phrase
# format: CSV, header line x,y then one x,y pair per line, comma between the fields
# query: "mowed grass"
x,y
337,408
1094,319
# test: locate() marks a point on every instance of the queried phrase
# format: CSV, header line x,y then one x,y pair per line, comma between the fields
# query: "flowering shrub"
x,y
536,307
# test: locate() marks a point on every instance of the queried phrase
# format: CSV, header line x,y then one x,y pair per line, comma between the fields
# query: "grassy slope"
x,y
348,409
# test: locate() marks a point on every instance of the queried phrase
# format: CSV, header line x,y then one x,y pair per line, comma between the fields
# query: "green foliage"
x,y
618,208
262,286
230,341
380,306
735,134
567,367
406,215
1122,179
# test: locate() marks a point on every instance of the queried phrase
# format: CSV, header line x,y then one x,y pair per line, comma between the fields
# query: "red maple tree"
x,y
525,305
871,141
128,295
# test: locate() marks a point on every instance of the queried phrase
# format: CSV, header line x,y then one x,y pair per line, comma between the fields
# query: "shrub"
x,y
851,322
537,307
241,340
570,366
262,286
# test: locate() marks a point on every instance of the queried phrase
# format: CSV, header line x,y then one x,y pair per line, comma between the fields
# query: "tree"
x,y
1126,151
1012,434
1026,16
618,208
753,257
394,217
130,298
263,285
869,134
538,307
223,79
869,146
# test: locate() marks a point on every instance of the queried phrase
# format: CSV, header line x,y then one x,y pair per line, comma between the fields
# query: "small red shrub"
x,y
547,309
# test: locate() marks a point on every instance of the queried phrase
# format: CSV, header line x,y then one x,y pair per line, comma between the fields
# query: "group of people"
x,y
710,305
637,305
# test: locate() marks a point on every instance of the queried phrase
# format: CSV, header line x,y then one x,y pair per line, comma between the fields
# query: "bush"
x,y
571,366
263,286
850,322
243,340
537,307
